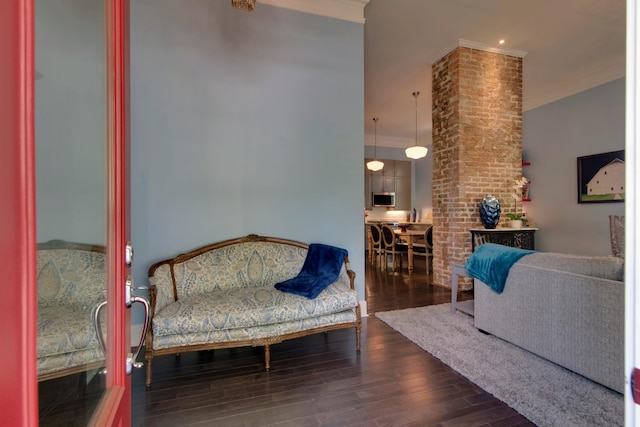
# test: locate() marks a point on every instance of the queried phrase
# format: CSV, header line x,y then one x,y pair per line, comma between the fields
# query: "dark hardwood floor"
x,y
320,380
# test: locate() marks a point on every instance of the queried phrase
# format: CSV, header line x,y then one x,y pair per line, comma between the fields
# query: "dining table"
x,y
409,237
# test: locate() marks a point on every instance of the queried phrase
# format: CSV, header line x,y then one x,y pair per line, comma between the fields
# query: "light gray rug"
x,y
545,393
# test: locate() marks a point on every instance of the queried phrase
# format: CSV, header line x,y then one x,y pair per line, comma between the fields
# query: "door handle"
x,y
131,358
130,299
98,326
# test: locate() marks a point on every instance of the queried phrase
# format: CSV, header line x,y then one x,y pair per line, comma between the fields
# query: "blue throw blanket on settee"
x,y
320,269
491,264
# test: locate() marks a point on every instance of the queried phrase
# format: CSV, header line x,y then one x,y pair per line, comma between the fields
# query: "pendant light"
x,y
416,151
375,164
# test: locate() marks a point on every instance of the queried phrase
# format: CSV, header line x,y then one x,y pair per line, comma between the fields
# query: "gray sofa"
x,y
568,309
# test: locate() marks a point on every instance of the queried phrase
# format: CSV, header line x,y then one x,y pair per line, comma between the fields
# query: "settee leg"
x,y
148,367
267,357
358,339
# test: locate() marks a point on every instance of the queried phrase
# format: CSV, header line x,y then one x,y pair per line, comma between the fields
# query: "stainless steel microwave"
x,y
383,199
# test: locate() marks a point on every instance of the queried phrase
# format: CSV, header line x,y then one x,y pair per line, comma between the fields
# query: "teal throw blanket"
x,y
491,264
320,269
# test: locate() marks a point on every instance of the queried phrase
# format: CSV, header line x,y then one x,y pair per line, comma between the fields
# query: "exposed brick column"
x,y
477,147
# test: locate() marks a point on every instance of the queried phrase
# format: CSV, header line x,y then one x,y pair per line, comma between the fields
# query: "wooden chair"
x,y
391,247
376,247
480,239
424,247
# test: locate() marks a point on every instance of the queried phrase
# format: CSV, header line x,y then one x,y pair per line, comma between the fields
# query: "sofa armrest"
x,y
352,278
162,286
347,276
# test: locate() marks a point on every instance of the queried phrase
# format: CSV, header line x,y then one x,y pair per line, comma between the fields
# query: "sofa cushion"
x,y
248,307
68,333
604,267
253,333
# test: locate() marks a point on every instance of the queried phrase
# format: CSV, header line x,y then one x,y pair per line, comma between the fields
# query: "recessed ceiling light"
x,y
501,41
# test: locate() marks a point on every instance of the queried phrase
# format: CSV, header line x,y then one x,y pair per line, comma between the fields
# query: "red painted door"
x,y
18,305
18,383
115,408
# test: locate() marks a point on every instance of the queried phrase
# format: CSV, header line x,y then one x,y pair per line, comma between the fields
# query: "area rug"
x,y
545,393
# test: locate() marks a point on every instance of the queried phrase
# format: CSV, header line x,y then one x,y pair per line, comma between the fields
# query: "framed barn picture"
x,y
601,178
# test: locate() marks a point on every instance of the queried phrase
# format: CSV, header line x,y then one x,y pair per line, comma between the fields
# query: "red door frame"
x,y
18,376
18,379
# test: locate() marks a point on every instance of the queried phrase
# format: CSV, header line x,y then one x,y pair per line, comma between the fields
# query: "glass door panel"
x,y
71,101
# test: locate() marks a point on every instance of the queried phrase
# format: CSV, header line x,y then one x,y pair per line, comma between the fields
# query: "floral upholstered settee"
x,y
223,296
72,280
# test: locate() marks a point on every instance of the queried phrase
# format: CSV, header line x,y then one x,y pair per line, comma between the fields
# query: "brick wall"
x,y
477,147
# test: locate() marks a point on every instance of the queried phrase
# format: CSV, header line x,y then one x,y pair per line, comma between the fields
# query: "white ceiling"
x,y
570,45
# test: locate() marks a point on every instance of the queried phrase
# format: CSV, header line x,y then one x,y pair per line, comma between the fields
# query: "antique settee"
x,y
568,309
223,296
72,281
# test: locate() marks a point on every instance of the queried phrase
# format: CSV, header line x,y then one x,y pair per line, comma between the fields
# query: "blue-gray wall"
x,y
554,136
244,123
70,121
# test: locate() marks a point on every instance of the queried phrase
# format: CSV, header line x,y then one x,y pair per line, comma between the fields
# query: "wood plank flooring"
x,y
319,380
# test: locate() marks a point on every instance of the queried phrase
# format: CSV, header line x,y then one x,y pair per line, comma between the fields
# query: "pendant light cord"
x,y
375,137
415,95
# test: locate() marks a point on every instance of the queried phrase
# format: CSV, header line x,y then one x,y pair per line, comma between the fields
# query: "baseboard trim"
x,y
363,309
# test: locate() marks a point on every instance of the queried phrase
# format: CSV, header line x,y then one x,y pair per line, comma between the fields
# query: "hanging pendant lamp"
x,y
244,5
375,164
416,151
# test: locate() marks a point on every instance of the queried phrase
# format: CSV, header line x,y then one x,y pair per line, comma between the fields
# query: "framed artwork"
x,y
601,178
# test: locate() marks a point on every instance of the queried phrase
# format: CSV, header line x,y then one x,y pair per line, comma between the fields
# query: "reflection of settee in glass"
x,y
72,279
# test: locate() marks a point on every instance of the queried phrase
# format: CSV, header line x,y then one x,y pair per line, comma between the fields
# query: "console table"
x,y
516,237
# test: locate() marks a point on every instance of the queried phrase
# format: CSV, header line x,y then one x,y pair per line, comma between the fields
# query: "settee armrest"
x,y
352,278
346,275
162,291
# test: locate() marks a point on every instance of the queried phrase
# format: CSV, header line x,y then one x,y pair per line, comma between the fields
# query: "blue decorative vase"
x,y
490,211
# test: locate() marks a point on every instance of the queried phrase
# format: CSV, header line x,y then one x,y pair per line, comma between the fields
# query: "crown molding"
x,y
347,10
478,46
487,48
